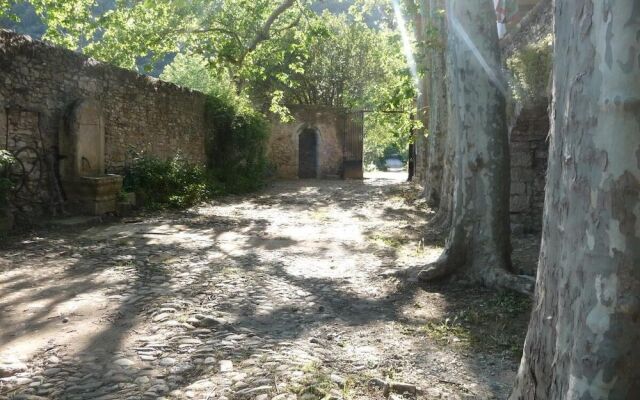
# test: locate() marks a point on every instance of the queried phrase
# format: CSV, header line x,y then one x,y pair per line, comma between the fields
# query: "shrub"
x,y
237,137
173,183
6,160
531,69
236,145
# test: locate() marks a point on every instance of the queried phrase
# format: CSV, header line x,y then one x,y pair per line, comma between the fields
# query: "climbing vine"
x,y
236,145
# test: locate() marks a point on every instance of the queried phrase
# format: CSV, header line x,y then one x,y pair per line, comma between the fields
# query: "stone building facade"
x,y
308,147
38,85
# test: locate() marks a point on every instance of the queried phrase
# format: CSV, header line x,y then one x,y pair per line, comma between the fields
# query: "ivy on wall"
x,y
236,145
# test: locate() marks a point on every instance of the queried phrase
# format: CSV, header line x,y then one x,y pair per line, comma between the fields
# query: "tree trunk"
x,y
478,247
422,115
434,190
584,335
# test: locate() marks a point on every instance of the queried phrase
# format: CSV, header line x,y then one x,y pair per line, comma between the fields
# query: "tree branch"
x,y
263,33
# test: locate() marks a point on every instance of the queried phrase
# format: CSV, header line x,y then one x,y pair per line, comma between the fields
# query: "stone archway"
x,y
308,154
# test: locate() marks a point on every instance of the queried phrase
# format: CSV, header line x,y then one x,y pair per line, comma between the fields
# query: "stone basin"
x,y
95,195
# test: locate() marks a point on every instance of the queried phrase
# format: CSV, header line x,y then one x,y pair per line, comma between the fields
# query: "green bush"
x,y
6,160
531,69
173,183
236,145
237,137
236,160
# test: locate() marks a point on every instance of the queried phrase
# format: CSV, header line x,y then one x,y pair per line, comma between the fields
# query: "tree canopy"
x,y
334,53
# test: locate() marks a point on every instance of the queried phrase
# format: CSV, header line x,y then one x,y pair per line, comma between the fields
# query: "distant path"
x,y
298,289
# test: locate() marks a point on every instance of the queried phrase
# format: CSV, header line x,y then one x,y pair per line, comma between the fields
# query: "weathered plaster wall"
x,y
40,82
283,144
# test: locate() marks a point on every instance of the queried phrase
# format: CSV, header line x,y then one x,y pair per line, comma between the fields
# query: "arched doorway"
x,y
308,154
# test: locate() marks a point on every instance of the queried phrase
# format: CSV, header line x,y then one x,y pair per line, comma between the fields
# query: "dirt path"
x,y
299,292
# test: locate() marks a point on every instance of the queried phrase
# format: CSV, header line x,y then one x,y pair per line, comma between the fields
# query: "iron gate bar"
x,y
352,145
353,141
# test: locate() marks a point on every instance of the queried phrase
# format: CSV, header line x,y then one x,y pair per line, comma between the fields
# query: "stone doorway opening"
x,y
308,154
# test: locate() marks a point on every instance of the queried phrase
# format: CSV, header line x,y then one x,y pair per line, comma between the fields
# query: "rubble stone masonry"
x,y
38,85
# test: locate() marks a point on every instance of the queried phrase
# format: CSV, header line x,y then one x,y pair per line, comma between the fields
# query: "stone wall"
x,y
529,127
40,82
529,152
283,147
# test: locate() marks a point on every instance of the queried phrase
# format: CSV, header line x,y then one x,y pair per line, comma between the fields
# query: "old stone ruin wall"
x,y
529,124
39,83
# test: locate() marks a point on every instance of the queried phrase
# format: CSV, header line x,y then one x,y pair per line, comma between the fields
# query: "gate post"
x,y
352,145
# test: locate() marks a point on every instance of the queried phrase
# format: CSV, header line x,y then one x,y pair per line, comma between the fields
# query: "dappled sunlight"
x,y
284,279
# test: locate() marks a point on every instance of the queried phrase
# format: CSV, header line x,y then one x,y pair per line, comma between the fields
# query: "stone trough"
x,y
82,166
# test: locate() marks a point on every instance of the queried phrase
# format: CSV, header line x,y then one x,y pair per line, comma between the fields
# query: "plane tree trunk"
x,y
478,247
434,39
584,334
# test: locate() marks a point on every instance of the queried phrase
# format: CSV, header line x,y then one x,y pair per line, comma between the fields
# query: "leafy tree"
x,y
275,53
190,71
193,71
122,31
387,134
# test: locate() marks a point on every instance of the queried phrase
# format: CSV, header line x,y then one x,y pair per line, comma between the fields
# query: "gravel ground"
x,y
302,291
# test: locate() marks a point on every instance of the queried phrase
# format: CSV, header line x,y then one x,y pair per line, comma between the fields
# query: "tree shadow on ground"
x,y
200,273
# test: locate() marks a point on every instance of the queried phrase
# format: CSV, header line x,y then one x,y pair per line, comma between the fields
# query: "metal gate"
x,y
352,145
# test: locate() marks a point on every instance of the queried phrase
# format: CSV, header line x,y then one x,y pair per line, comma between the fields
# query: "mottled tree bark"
x,y
436,96
417,10
584,335
478,247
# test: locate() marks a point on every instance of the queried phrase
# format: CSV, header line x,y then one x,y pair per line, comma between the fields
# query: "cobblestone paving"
x,y
294,293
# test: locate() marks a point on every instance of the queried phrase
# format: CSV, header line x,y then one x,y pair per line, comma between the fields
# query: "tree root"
x,y
491,277
442,268
441,221
520,283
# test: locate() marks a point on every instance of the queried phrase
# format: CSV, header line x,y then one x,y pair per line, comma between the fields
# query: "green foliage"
x,y
190,71
5,8
173,183
236,145
195,72
337,61
6,160
123,32
237,137
531,69
333,64
387,135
